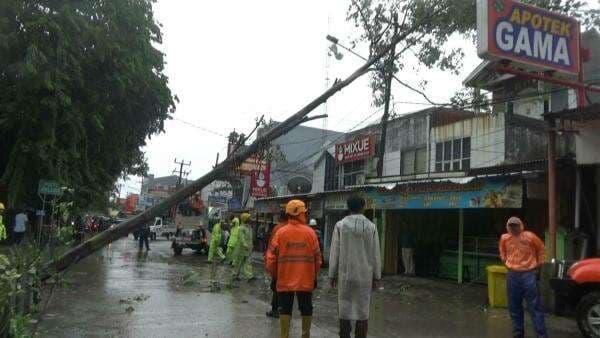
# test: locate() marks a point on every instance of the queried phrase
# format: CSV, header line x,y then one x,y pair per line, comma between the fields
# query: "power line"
x,y
198,127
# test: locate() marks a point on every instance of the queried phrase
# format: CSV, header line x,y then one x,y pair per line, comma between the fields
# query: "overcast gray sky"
x,y
232,61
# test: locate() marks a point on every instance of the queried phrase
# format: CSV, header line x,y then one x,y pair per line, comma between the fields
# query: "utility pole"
x,y
181,172
389,74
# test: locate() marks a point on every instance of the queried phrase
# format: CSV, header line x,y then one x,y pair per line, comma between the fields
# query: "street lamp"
x,y
336,42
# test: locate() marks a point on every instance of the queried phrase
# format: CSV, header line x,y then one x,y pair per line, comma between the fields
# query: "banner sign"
x,y
234,204
214,199
526,34
358,149
254,162
46,187
477,194
260,182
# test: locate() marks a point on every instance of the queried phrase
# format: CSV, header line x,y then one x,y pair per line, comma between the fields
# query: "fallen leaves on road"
x,y
190,278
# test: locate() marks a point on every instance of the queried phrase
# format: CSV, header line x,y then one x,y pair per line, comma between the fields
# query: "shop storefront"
x,y
455,223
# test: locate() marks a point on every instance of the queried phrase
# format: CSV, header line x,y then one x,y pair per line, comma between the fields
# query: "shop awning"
x,y
453,193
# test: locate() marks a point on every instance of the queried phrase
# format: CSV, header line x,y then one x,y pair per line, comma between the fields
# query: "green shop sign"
x,y
493,193
46,187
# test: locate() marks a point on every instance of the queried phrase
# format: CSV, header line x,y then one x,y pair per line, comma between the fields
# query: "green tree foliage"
x,y
81,89
426,27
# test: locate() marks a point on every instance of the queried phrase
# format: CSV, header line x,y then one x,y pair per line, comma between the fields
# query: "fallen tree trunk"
x,y
106,237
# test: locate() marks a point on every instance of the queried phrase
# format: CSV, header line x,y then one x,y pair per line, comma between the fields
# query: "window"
x,y
352,170
332,170
439,151
453,155
421,160
414,161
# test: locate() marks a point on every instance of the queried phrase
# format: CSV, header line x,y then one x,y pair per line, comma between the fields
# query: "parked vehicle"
x,y
162,228
578,294
195,239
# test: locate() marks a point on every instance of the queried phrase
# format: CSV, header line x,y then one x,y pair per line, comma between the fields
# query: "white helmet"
x,y
313,222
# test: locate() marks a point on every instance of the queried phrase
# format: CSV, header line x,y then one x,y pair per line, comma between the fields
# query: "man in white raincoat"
x,y
354,267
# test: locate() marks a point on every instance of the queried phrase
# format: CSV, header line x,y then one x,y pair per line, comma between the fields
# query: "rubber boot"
x,y
306,321
361,329
284,325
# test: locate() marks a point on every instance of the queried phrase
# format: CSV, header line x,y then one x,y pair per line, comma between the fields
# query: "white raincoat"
x,y
355,261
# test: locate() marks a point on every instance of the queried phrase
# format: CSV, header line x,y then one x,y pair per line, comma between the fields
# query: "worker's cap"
x,y
312,222
1,206
295,207
245,217
514,221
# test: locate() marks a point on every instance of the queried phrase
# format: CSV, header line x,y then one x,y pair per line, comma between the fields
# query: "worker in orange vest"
x,y
523,254
294,259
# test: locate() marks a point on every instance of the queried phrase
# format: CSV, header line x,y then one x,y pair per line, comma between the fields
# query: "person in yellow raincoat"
x,y
233,237
3,235
243,251
215,250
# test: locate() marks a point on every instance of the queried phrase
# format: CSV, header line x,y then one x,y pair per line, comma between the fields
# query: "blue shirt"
x,y
20,221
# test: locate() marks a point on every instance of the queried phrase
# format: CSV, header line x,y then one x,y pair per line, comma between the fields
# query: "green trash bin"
x,y
496,275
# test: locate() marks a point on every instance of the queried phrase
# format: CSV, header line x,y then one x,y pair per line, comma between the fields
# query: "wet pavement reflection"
x,y
122,292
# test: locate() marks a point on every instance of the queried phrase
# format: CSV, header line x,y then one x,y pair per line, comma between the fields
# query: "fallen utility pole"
x,y
123,229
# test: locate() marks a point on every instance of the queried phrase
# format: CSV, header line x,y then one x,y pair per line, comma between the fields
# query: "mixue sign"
x,y
527,35
260,181
359,149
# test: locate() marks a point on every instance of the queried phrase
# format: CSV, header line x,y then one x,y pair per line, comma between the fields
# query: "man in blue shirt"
x,y
20,226
408,250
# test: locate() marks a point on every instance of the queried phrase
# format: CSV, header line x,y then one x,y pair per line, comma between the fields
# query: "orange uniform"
x,y
273,232
522,252
294,258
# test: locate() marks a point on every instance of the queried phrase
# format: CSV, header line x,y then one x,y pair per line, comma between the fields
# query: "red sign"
x,y
528,35
359,149
260,181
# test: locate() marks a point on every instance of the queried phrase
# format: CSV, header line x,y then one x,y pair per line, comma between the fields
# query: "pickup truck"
x,y
194,235
578,294
162,228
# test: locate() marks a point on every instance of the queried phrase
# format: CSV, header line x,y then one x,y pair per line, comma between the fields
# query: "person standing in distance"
x,y
274,312
523,254
354,267
3,234
20,226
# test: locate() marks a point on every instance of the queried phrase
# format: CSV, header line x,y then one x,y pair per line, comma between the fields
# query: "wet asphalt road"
x,y
120,292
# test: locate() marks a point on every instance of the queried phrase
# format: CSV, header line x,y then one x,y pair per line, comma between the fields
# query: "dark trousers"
x,y
144,239
360,330
274,304
18,237
523,285
286,302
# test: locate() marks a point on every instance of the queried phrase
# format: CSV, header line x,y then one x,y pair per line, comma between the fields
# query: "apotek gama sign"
x,y
359,149
528,35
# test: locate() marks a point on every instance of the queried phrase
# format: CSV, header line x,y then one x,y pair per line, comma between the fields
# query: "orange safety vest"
x,y
294,258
